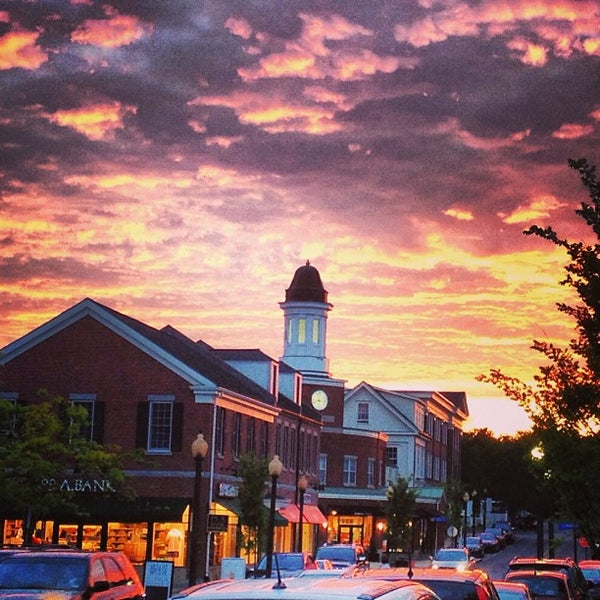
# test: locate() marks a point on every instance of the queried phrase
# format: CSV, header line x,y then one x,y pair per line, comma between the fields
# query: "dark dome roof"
x,y
306,286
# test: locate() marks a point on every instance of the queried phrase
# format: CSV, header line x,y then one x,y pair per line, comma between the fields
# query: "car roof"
x,y
524,560
422,573
510,585
589,564
536,573
308,589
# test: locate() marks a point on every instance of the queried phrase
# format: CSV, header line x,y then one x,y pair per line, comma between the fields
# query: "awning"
x,y
310,514
233,505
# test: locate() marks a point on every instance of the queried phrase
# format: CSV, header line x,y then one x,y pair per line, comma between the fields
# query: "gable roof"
x,y
197,363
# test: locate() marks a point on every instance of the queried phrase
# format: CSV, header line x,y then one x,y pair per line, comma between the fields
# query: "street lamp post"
x,y
199,450
302,487
465,525
275,468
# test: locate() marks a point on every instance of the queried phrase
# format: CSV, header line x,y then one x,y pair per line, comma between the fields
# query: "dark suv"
x,y
343,556
577,580
69,574
446,583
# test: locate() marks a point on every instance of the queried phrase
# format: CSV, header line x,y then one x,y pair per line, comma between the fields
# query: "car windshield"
x,y
286,562
452,590
337,554
591,574
43,573
450,554
544,586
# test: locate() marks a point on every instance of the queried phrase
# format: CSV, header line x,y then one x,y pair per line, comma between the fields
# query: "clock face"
x,y
319,400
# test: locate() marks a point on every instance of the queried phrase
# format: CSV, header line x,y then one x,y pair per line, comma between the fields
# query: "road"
x,y
525,545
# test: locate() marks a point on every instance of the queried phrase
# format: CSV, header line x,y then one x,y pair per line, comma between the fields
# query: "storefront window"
x,y
169,543
129,538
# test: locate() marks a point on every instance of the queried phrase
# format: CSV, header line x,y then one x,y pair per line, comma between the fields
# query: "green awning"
x,y
233,505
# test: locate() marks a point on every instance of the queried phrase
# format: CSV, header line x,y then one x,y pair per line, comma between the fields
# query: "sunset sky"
x,y
178,160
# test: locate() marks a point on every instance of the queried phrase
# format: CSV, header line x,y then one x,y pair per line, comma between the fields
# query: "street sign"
x,y
567,526
452,531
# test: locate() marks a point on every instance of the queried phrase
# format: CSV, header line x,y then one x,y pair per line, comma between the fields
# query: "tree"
x,y
564,402
501,468
254,474
400,510
42,445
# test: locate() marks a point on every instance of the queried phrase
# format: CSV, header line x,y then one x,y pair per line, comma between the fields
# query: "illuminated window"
x,y
315,331
302,331
289,331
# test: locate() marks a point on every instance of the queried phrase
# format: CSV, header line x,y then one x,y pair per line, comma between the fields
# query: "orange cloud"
x,y
239,27
572,131
276,113
309,57
459,214
561,24
18,50
98,122
119,30
531,54
538,208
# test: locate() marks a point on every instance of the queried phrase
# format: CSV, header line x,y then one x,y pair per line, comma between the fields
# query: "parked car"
x,y
475,547
342,556
489,542
446,583
311,588
577,580
507,530
544,585
453,558
284,564
591,572
499,533
69,574
512,590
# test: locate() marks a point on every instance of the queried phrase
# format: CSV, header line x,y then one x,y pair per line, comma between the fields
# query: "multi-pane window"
x,y
315,331
264,440
363,412
350,463
323,469
371,472
251,435
220,431
160,424
391,456
9,425
236,434
89,405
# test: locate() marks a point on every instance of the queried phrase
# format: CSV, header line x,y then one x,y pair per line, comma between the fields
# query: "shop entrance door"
x,y
351,534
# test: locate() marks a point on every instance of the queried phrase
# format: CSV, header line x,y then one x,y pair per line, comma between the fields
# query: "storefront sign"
x,y
218,522
79,485
227,490
158,579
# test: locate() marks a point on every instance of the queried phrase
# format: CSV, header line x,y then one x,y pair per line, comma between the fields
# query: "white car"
x,y
453,558
299,588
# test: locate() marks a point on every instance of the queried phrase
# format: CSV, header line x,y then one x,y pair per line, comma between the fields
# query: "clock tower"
x,y
305,312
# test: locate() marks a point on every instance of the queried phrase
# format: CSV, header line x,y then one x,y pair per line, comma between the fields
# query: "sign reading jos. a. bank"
x,y
79,485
